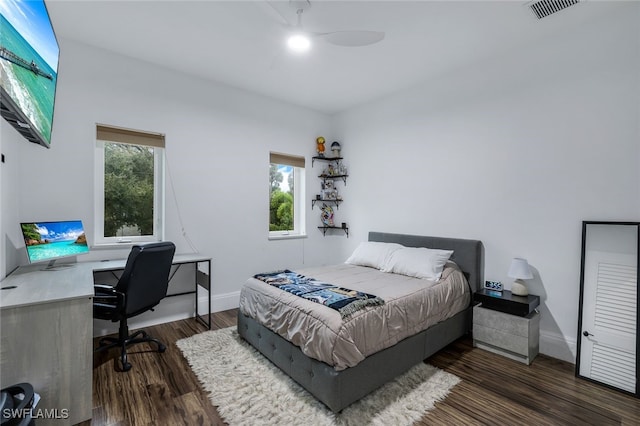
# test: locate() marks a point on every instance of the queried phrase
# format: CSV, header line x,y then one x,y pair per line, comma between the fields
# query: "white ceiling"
x,y
241,43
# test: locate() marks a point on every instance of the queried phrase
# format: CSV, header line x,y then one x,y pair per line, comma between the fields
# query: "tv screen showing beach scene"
x,y
47,241
29,55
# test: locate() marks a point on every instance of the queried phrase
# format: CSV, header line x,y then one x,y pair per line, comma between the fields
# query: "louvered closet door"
x,y
608,334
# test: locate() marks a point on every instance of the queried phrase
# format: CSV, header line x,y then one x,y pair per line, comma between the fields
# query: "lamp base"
x,y
519,288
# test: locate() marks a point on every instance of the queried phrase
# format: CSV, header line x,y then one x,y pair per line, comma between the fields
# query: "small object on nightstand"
x,y
519,270
493,285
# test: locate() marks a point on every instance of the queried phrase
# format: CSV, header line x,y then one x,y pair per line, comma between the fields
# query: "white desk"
x,y
46,332
202,279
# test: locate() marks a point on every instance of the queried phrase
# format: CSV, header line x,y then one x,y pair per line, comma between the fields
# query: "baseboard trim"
x,y
173,309
558,346
219,302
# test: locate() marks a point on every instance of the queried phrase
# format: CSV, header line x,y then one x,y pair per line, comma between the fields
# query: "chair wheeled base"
x,y
123,340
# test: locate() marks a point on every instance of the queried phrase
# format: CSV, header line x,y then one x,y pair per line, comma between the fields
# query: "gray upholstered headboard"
x,y
468,254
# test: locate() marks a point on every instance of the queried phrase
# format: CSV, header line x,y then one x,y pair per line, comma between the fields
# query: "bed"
x,y
341,381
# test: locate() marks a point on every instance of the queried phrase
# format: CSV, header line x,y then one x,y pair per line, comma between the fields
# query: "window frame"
x,y
299,191
158,188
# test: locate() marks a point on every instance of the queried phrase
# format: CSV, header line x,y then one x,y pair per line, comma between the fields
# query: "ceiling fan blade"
x,y
353,38
276,15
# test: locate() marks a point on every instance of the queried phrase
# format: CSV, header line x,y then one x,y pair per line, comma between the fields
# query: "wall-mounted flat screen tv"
x,y
48,241
29,55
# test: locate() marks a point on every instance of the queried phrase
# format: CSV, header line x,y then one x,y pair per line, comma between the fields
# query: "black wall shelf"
x,y
329,194
332,177
336,202
326,228
317,157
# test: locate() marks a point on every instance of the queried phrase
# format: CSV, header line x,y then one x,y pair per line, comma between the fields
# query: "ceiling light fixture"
x,y
299,43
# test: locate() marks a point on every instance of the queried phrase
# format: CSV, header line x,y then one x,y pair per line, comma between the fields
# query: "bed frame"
x,y
338,389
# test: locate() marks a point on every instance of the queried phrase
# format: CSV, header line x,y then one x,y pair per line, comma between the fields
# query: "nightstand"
x,y
507,325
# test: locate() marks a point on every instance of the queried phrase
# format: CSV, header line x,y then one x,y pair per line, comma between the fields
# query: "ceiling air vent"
x,y
544,8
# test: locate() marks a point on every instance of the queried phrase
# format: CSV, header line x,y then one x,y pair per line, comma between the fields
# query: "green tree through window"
x,y
286,195
281,206
128,190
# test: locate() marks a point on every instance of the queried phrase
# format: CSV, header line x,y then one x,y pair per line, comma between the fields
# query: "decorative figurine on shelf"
x,y
326,214
320,146
335,148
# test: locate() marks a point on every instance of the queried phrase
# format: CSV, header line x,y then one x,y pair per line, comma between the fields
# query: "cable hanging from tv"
x,y
32,66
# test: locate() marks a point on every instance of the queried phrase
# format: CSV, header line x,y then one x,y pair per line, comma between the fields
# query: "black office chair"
x,y
142,286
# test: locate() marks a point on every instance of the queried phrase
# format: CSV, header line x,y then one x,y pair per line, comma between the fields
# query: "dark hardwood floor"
x,y
161,389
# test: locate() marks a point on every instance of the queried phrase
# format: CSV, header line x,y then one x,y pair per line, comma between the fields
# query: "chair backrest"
x,y
146,276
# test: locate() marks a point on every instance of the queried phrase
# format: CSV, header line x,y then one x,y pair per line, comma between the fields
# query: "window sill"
x,y
111,246
120,244
275,237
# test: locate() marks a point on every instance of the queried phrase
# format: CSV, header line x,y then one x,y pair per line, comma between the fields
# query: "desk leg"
x,y
201,280
208,287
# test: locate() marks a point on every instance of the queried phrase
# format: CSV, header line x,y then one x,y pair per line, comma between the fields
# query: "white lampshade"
x,y
520,269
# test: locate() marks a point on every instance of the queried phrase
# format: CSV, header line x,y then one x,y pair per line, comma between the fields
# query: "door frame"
x,y
585,225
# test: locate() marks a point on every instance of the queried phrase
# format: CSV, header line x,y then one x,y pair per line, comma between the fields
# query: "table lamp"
x,y
519,270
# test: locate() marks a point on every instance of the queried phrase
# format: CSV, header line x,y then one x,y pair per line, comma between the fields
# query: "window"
x,y
286,195
129,186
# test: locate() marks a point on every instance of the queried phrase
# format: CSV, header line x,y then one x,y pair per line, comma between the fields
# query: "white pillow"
x,y
373,254
419,262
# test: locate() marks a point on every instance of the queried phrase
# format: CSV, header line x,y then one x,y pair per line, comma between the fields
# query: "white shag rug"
x,y
248,389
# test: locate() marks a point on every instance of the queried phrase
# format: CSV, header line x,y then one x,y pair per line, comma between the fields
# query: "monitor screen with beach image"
x,y
49,241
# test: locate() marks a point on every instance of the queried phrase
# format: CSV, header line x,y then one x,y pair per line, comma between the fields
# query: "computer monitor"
x,y
49,241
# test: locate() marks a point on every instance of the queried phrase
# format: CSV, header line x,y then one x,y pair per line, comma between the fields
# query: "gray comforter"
x,y
411,305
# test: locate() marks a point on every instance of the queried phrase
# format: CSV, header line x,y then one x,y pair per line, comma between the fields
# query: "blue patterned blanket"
x,y
341,299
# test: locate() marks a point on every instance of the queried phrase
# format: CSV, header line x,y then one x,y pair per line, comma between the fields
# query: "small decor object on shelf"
x,y
335,148
327,215
320,146
329,194
327,185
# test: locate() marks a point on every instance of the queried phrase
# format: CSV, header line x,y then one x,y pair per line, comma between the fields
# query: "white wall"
x,y
218,141
10,141
515,152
